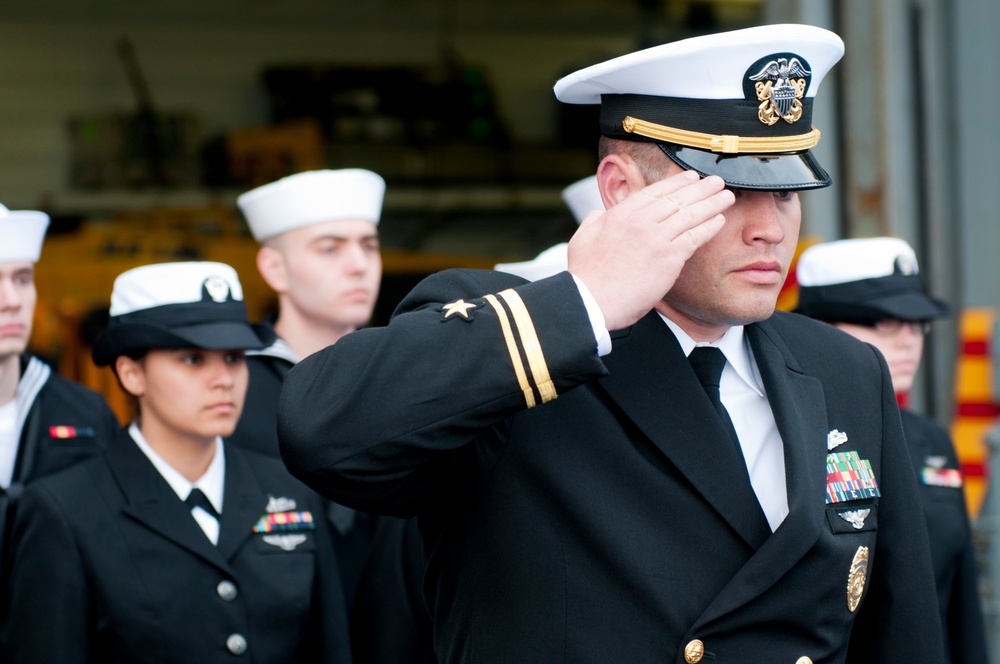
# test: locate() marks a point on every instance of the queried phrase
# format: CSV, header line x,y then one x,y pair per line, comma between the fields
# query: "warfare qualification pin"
x,y
856,578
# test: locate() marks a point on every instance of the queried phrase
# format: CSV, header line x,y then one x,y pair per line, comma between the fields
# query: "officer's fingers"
x,y
657,193
697,236
699,211
693,192
668,186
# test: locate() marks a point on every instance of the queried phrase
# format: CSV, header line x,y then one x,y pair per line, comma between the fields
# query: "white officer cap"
x,y
863,279
21,234
735,104
178,305
310,198
582,197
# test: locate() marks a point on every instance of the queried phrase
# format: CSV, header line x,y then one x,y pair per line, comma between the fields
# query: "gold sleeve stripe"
x,y
532,346
515,355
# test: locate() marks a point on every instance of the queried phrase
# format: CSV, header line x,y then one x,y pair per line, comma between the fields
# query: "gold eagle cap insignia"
x,y
780,86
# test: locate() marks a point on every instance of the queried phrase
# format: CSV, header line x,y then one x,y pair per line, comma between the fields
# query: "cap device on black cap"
x,y
735,104
178,305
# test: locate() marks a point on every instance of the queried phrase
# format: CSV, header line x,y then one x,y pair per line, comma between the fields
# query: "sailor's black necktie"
x,y
198,499
708,363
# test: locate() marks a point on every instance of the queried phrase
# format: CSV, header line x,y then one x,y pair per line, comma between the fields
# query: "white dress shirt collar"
x,y
733,344
211,483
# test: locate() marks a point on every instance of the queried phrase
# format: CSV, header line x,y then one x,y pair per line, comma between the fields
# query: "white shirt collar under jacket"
x,y
212,483
733,344
742,392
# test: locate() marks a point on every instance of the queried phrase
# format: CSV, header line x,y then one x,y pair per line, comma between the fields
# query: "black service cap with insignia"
x,y
735,104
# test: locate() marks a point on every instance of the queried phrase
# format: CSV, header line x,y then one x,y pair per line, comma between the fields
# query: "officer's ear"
x,y
131,375
618,176
271,265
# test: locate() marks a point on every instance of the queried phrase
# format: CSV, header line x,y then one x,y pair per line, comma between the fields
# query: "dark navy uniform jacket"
x,y
66,423
380,558
257,429
111,567
574,507
936,463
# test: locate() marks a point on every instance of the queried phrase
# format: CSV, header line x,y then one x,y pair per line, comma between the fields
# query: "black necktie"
x,y
197,499
708,363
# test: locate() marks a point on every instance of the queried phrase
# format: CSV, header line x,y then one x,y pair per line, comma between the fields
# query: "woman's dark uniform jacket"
x,y
598,526
379,557
952,551
111,567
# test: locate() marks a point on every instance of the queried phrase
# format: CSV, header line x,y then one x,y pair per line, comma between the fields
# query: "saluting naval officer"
x,y
582,197
47,422
173,546
584,493
871,289
319,252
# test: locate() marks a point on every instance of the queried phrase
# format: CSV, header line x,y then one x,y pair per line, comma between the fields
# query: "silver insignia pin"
x,y
936,462
281,504
835,438
855,517
285,542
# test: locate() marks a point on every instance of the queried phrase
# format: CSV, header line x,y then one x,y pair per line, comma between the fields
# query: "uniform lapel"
x,y
651,380
243,503
799,408
151,501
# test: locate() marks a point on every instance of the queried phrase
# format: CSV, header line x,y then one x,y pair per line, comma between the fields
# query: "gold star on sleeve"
x,y
459,307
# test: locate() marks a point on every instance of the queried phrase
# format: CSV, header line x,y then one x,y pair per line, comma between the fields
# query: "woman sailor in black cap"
x,y
172,547
870,289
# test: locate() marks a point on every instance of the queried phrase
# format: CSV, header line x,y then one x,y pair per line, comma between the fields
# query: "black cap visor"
x,y
898,297
135,337
789,171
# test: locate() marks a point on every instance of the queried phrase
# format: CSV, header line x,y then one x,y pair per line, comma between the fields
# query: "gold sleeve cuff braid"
x,y
523,329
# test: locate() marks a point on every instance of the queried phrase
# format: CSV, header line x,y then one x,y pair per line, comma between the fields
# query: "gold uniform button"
x,y
803,660
694,651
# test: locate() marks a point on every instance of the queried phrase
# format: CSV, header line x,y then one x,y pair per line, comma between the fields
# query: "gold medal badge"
x,y
856,578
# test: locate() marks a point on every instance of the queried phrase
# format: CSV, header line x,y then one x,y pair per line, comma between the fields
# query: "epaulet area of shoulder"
x,y
447,285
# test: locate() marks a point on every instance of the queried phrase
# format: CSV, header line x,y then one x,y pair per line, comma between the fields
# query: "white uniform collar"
x,y
278,349
733,344
211,483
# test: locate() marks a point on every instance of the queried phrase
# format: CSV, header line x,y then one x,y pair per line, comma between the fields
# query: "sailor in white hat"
x,y
644,428
319,252
871,288
582,197
233,553
46,421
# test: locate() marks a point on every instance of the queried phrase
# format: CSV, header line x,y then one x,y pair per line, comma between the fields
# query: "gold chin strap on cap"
x,y
720,142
